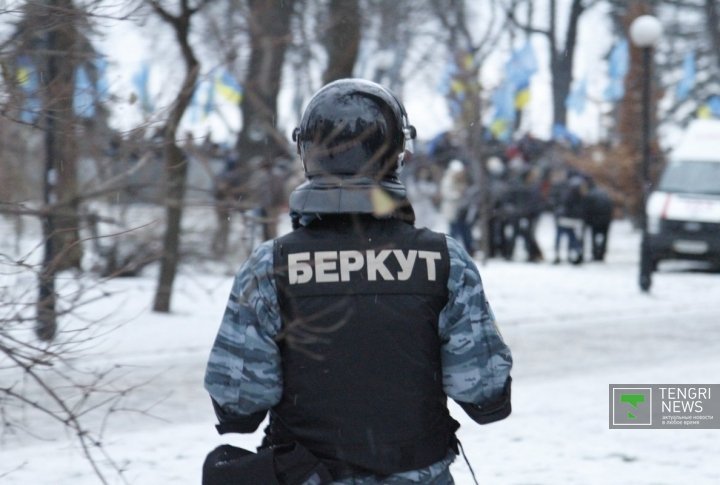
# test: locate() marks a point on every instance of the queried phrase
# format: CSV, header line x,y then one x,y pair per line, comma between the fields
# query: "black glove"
x,y
493,412
233,423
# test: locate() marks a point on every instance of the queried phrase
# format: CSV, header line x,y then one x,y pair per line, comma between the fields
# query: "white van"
x,y
683,213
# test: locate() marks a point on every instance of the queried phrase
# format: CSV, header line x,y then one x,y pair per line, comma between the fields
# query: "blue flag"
x,y
561,133
575,101
448,75
519,69
521,66
714,105
687,82
619,62
28,80
194,107
209,106
228,88
141,80
503,100
84,94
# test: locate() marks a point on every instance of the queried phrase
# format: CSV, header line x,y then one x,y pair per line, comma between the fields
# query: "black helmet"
x,y
351,140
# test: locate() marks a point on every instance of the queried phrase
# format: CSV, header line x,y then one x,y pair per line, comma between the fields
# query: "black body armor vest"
x,y
360,299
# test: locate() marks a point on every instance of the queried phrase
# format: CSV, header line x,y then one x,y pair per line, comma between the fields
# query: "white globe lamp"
x,y
645,31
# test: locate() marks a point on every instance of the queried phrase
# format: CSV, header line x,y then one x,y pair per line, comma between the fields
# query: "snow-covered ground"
x,y
573,331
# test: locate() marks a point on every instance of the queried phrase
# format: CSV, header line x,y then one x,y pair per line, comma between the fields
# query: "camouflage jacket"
x,y
244,370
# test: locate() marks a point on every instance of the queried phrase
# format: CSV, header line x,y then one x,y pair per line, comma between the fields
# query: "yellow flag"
x,y
522,98
498,128
457,87
23,75
704,112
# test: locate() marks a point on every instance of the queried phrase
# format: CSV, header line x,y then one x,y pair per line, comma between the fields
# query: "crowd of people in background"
x,y
524,180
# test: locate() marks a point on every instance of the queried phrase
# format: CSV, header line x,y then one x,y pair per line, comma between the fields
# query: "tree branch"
x,y
510,13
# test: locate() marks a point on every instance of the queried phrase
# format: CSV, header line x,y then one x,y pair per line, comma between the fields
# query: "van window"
x,y
691,177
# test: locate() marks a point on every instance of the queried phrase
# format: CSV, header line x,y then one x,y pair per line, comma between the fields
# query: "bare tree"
x,y
260,144
175,159
398,28
49,39
48,384
269,23
690,28
561,50
469,54
342,39
712,20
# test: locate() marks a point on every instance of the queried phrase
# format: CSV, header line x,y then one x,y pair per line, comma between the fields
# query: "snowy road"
x,y
573,330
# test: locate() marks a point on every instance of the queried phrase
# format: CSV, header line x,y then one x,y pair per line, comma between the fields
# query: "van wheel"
x,y
647,265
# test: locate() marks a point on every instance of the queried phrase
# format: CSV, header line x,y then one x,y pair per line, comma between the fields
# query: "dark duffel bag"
x,y
290,464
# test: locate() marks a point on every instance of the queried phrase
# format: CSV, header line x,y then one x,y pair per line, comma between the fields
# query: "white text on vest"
x,y
336,266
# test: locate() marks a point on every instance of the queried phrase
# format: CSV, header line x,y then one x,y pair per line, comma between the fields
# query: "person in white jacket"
x,y
454,191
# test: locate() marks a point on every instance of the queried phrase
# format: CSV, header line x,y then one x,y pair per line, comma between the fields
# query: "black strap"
x,y
472,472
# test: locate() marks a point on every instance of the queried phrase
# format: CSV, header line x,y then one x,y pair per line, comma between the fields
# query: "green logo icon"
x,y
633,400
630,406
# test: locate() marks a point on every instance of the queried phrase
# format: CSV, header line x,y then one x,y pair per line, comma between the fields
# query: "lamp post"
x,y
645,31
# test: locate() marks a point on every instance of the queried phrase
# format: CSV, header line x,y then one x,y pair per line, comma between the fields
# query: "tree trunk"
x,y
61,146
472,119
712,17
396,34
269,38
562,62
561,81
630,114
175,161
342,39
61,222
46,326
259,143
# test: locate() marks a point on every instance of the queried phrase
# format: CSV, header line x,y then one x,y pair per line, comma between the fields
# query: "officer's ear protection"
x,y
296,138
409,133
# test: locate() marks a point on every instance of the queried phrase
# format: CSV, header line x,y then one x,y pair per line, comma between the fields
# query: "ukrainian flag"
x,y
228,88
522,97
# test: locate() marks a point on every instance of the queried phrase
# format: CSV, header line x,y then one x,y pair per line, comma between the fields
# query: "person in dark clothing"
x,y
598,217
501,224
526,205
569,218
354,329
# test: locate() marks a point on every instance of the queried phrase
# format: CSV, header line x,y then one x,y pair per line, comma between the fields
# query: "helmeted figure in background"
x,y
354,329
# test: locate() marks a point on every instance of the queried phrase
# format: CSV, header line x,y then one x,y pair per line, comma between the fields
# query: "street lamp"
x,y
645,31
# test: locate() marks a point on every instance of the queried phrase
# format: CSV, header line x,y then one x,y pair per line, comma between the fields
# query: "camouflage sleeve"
x,y
243,373
476,362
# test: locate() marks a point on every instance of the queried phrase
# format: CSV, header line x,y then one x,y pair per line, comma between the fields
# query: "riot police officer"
x,y
354,329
